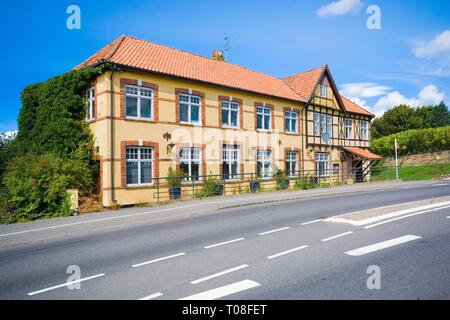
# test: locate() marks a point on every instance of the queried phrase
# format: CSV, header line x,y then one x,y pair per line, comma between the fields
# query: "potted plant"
x,y
174,178
213,187
255,185
282,180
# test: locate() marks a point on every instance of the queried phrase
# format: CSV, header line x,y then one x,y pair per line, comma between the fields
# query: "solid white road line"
x,y
382,245
152,296
441,185
219,274
273,231
223,291
337,236
158,260
224,243
311,222
448,217
404,217
341,218
286,252
65,284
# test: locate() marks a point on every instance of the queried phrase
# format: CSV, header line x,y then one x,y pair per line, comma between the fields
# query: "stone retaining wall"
x,y
419,159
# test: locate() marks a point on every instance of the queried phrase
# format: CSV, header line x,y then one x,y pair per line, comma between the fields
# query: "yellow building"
x,y
165,108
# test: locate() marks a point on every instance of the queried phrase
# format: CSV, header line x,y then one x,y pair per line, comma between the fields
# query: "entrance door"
x,y
358,170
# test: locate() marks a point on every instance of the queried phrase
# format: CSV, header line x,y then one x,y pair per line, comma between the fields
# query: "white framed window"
x,y
190,163
263,118
323,123
348,128
364,130
138,102
291,122
264,164
323,91
291,163
90,104
322,164
230,114
190,110
139,166
230,162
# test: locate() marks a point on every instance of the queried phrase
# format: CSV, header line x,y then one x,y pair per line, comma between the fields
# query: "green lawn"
x,y
423,172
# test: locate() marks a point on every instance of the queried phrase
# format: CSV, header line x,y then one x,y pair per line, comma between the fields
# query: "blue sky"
x,y
408,60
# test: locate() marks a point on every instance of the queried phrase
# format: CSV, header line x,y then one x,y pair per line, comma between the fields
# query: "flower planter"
x,y
219,189
255,186
174,193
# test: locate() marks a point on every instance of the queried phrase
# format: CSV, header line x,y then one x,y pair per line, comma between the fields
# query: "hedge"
x,y
414,142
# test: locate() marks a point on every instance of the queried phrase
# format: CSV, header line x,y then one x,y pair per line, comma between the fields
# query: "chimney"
x,y
218,55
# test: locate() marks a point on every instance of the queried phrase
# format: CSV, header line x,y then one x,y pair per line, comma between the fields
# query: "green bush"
x,y
36,186
281,180
414,142
304,183
210,189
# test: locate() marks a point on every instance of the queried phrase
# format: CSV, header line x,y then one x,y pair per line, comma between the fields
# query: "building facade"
x,y
162,108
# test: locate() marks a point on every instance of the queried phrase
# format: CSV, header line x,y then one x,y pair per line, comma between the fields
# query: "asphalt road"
x,y
250,247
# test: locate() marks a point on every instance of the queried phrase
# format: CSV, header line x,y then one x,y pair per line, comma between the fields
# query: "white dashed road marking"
x,y
337,236
311,222
223,291
224,243
273,231
286,252
158,260
65,284
219,274
382,245
152,296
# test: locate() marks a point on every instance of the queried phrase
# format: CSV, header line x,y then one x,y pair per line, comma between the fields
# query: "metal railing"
x,y
203,185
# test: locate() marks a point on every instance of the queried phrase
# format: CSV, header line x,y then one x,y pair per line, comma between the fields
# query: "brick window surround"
x,y
200,94
134,143
297,150
272,115
93,85
272,158
241,158
133,82
194,145
298,120
241,110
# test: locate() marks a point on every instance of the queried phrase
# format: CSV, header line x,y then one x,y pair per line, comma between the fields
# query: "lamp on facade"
x,y
170,146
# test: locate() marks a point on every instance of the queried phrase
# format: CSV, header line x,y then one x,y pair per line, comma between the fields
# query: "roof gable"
x,y
305,84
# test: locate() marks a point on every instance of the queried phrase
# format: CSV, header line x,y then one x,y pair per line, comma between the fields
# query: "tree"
x,y
440,116
397,119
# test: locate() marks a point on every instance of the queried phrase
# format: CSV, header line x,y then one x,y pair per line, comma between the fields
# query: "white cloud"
x,y
339,7
429,95
440,72
363,90
439,46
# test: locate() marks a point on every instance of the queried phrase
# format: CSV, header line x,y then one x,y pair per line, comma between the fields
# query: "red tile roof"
x,y
148,56
304,83
363,153
350,106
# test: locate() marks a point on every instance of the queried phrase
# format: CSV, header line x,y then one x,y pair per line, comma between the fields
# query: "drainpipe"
x,y
305,136
111,79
